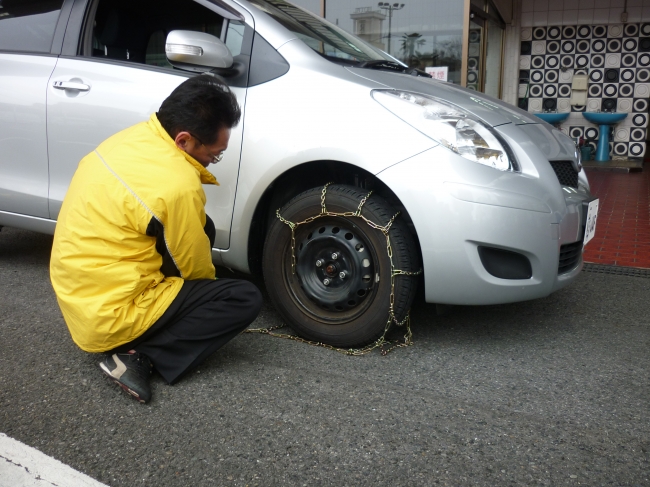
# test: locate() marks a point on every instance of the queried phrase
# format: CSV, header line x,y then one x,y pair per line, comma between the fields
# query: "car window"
x,y
235,36
28,25
136,31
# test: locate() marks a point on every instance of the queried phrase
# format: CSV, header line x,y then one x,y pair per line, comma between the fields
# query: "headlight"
x,y
451,126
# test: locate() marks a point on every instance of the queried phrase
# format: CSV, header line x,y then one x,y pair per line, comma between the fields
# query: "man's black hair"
x,y
202,105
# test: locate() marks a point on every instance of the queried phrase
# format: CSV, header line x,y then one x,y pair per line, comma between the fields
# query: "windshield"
x,y
324,38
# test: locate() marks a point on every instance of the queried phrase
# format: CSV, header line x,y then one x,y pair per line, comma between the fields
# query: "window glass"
x,y
324,38
235,36
136,31
420,33
28,25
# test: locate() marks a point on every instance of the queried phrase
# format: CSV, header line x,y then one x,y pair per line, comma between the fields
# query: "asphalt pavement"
x,y
554,391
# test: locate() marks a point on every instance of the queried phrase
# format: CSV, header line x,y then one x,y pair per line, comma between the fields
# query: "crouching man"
x,y
131,261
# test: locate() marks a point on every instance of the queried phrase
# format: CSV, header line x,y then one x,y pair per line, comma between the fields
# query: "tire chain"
x,y
381,342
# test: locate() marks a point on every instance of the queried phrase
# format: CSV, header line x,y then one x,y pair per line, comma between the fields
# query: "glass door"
x,y
475,56
485,49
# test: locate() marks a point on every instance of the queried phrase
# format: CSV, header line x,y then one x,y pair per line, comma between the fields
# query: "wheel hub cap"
x,y
335,267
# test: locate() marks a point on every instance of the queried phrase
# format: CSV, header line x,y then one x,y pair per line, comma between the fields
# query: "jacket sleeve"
x,y
185,238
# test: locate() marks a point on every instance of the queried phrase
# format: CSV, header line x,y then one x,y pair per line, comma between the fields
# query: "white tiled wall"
x,y
577,12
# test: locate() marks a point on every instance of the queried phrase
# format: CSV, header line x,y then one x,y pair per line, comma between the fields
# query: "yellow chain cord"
x,y
381,341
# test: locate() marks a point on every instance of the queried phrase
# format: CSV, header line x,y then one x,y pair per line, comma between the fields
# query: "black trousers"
x,y
205,315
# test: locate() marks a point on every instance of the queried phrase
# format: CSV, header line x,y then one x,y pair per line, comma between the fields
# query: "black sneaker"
x,y
131,371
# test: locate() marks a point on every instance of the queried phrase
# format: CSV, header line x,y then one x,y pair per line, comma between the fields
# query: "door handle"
x,y
71,85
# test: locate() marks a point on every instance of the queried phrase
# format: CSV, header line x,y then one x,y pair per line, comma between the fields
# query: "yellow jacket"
x,y
104,267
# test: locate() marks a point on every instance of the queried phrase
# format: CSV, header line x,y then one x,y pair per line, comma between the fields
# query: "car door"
x,y
27,32
118,75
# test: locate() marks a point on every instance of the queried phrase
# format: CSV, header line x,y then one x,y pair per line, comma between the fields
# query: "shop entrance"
x,y
485,48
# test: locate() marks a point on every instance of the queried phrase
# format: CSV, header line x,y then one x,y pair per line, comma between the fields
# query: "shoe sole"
x,y
124,387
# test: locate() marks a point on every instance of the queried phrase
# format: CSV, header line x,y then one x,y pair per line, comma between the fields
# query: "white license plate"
x,y
592,215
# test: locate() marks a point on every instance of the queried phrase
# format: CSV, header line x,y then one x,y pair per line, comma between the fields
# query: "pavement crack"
x,y
37,477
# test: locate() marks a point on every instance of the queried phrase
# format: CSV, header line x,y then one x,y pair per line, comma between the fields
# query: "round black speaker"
x,y
608,104
611,75
644,44
549,104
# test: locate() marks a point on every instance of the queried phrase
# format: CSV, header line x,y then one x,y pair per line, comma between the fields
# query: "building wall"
x,y
560,38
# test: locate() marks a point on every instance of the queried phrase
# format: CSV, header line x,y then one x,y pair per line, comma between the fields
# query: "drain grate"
x,y
617,270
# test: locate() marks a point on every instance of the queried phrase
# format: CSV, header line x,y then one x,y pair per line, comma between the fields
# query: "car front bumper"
x,y
458,206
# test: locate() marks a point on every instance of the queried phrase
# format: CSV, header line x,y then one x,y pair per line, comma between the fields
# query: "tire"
x,y
353,308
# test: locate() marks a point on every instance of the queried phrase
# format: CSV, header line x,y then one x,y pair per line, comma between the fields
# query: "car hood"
x,y
490,110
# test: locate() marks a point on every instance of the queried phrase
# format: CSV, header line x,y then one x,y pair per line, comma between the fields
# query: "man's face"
x,y
206,154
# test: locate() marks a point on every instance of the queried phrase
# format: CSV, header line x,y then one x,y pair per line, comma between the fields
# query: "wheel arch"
x,y
305,176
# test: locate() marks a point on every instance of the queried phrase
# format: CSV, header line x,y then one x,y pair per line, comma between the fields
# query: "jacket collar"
x,y
206,176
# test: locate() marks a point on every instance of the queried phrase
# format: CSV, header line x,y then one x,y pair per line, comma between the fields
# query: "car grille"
x,y
565,173
569,257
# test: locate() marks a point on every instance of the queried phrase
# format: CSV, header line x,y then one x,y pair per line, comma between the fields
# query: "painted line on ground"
x,y
24,466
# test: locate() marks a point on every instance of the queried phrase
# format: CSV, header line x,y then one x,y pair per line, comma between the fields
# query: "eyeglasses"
x,y
215,158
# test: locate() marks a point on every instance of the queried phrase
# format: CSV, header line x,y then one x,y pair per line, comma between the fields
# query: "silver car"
x,y
350,180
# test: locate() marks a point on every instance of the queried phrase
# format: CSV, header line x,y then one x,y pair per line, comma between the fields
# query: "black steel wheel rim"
x,y
336,269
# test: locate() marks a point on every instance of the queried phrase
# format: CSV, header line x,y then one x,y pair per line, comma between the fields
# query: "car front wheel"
x,y
332,281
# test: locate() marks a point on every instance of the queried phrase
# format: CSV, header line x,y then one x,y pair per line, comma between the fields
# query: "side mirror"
x,y
197,51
